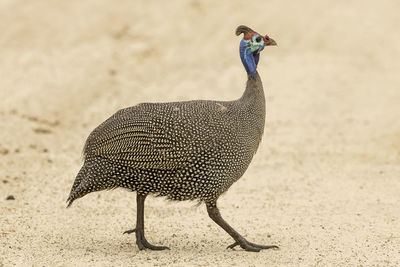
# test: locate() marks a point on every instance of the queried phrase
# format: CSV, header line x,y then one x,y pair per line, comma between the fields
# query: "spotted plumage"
x,y
192,150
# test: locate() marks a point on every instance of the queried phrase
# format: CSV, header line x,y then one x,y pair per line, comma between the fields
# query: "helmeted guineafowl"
x,y
192,150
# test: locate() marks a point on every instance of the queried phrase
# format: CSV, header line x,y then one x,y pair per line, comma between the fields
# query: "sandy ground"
x,y
324,185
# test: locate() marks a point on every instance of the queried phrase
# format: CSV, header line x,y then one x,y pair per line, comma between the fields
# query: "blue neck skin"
x,y
249,58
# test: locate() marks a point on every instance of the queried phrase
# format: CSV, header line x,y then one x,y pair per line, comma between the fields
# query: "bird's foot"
x,y
248,246
142,242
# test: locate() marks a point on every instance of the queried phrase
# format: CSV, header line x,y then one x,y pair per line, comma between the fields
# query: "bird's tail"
x,y
95,175
77,191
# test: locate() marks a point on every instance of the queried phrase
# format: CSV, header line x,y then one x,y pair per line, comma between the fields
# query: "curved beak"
x,y
270,41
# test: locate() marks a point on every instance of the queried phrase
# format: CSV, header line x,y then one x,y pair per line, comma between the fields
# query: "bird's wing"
x,y
136,140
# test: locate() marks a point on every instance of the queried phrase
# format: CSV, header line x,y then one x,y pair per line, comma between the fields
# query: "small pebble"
x,y
10,197
4,151
42,131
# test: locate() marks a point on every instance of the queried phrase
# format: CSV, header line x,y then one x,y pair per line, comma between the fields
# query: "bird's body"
x,y
192,150
182,150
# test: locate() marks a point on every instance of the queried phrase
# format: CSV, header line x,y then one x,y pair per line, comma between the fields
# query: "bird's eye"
x,y
258,39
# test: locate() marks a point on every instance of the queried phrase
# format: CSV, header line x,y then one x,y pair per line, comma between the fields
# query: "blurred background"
x,y
323,186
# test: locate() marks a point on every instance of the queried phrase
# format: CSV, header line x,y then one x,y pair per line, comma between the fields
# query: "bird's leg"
x,y
214,214
141,241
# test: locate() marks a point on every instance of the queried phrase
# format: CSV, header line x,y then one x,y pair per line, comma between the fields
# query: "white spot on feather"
x,y
222,107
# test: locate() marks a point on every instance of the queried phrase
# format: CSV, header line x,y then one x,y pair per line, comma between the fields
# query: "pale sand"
x,y
324,185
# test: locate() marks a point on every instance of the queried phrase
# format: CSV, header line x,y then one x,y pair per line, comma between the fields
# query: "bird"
x,y
189,150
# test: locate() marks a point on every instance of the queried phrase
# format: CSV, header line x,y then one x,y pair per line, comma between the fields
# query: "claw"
x,y
152,247
248,246
263,246
144,244
130,231
233,245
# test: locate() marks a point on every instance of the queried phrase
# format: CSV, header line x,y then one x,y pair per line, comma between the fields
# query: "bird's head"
x,y
250,47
